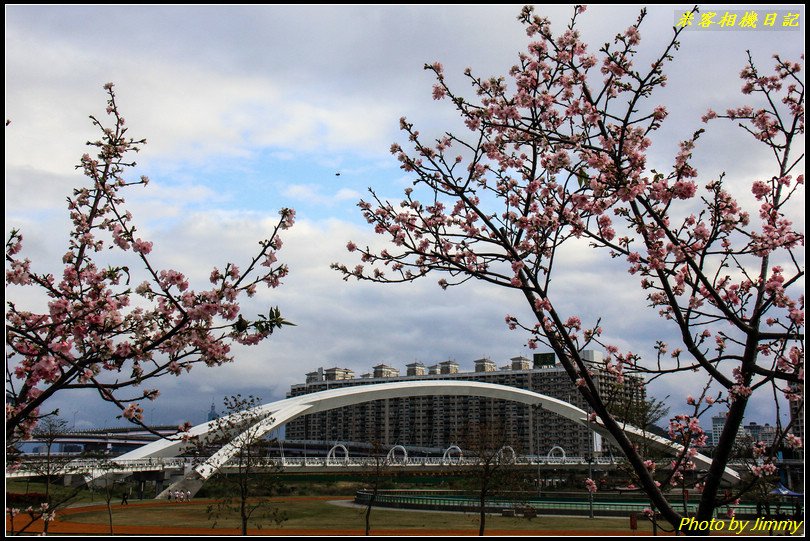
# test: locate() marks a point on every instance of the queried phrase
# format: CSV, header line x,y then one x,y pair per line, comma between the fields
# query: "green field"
x,y
310,506
320,514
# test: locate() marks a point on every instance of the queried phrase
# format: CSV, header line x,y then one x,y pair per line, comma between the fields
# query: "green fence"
x,y
462,502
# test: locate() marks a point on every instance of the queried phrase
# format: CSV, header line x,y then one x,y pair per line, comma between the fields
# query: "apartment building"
x,y
441,421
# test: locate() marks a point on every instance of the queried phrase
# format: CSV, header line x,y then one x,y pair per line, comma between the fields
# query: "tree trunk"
x,y
482,519
109,515
368,511
243,508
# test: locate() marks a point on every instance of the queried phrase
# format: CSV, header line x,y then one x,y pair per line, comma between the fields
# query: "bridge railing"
x,y
36,466
338,462
29,468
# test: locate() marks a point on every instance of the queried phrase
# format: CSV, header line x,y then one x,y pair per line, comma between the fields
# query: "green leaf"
x,y
582,178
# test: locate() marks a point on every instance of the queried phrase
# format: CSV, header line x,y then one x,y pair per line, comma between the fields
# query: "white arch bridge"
x,y
271,416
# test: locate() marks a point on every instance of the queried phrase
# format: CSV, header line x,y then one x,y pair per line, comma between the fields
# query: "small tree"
x,y
108,491
374,477
247,477
34,512
493,466
100,332
52,466
49,466
558,157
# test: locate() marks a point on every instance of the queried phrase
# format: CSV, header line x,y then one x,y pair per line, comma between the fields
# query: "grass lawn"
x,y
58,491
319,514
309,515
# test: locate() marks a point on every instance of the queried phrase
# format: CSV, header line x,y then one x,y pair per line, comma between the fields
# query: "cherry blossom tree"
x,y
555,158
109,327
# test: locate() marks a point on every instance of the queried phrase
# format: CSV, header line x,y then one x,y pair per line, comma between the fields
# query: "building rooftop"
x,y
418,370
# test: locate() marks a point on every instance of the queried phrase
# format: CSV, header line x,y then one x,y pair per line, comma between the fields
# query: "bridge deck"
x,y
33,467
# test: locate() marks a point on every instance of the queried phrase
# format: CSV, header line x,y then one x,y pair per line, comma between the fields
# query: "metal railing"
x,y
33,465
466,502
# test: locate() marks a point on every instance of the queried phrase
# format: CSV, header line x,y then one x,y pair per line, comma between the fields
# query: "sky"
x,y
249,109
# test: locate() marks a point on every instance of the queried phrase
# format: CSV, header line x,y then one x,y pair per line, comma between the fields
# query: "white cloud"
x,y
316,85
192,115
345,194
311,194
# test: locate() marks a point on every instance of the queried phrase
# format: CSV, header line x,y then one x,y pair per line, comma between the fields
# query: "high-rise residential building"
x,y
441,421
718,422
415,369
765,433
743,437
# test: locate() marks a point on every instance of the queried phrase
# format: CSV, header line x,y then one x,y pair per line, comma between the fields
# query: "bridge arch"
x,y
393,458
506,455
552,456
448,458
276,414
330,456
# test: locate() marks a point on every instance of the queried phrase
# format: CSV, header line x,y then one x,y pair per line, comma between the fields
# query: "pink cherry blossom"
x,y
793,441
557,162
142,246
91,327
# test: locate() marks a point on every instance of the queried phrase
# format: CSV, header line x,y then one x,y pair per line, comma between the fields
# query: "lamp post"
x,y
537,450
589,459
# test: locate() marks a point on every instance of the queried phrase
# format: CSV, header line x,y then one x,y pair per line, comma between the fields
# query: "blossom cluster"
x,y
556,154
95,332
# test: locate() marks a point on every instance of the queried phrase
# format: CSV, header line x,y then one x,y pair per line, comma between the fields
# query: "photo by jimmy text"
x,y
735,526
